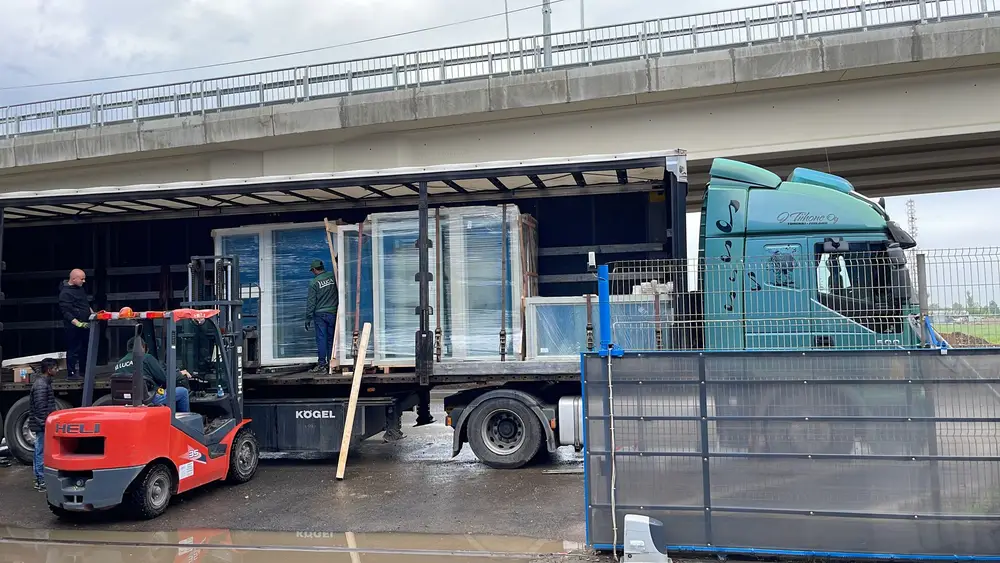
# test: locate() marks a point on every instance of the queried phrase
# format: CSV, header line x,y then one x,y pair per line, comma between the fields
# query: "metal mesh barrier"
x,y
827,452
788,298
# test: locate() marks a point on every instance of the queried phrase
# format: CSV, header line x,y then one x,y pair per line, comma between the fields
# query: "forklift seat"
x,y
191,423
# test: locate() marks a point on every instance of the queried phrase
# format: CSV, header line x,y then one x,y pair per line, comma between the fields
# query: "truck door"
x,y
777,288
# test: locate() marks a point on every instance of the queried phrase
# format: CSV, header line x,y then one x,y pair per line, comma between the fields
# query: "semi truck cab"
x,y
804,264
798,264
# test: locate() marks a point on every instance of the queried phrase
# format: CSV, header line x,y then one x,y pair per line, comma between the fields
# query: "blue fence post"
x,y
604,313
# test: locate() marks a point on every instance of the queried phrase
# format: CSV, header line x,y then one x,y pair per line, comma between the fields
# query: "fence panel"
x,y
829,453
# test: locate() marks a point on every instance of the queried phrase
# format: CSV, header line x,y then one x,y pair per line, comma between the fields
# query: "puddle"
x,y
207,545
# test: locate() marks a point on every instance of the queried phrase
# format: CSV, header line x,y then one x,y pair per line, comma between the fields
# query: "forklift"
x,y
136,451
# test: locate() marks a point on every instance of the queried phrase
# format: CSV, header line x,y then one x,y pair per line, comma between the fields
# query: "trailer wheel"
x,y
244,456
149,495
504,433
20,438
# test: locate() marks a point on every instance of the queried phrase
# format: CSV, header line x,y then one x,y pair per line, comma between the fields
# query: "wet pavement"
x,y
413,486
218,545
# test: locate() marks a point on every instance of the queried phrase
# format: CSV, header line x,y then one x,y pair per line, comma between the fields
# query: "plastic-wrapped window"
x,y
247,249
293,251
348,255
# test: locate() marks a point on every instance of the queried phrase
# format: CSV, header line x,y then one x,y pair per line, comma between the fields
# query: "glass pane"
x,y
294,249
349,279
247,249
395,242
484,251
561,329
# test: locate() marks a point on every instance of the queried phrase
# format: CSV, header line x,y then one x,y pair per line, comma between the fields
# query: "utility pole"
x,y
547,32
582,26
506,22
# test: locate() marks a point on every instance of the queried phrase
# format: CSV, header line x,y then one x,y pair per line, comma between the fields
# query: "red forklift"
x,y
134,450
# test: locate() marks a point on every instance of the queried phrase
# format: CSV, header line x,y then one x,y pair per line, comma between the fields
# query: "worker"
x,y
42,404
321,309
152,373
74,305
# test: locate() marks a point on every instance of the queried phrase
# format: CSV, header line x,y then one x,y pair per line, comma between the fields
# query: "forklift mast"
x,y
214,283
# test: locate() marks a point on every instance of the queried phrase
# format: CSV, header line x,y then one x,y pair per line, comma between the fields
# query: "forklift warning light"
x,y
178,314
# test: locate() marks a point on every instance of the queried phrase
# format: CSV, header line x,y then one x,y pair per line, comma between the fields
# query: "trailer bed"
x,y
445,373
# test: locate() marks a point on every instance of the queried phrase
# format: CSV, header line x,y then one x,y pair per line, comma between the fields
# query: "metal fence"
x,y
838,453
786,297
772,22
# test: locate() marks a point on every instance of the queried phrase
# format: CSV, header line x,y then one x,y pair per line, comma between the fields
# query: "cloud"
x,y
60,40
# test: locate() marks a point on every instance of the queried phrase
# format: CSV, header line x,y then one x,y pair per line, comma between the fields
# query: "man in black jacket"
x,y
74,305
43,403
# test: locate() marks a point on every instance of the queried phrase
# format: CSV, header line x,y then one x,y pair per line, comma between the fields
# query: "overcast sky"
x,y
65,40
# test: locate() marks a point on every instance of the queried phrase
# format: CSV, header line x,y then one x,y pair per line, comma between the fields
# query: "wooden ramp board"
x,y
352,405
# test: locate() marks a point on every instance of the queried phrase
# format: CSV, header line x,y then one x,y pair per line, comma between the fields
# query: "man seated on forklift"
x,y
152,374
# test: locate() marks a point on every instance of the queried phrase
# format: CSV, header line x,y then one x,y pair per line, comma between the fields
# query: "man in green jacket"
x,y
321,309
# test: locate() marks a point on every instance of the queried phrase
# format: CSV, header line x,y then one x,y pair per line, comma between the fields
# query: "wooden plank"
x,y
352,403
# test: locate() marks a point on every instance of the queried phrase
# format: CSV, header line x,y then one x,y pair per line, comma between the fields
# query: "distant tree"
x,y
971,306
993,309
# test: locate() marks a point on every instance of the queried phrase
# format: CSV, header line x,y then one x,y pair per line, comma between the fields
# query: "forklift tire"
x,y
67,515
149,495
244,456
504,433
22,446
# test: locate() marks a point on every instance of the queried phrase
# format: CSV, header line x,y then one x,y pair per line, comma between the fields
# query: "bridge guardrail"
x,y
774,22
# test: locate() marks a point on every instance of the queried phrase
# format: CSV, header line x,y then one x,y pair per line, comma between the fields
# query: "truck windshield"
x,y
871,287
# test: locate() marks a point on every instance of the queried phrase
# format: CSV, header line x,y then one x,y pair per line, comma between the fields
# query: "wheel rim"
x,y
158,491
26,438
503,432
246,457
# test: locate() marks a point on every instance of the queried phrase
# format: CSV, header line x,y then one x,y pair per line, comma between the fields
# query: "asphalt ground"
x,y
412,486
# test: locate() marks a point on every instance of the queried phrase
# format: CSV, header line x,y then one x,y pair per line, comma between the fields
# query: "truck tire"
x,y
102,401
244,456
149,495
808,436
20,439
504,433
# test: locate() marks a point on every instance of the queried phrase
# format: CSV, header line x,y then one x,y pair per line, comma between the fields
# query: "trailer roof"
x,y
452,184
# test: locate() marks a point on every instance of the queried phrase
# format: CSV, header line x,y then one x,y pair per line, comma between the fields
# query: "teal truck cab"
x,y
802,264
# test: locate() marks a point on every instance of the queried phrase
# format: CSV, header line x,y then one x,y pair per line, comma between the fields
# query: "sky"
x,y
49,41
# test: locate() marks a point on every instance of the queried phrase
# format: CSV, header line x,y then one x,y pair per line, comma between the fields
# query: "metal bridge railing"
x,y
724,29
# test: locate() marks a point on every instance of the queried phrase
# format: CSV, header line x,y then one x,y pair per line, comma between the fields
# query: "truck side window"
x,y
853,284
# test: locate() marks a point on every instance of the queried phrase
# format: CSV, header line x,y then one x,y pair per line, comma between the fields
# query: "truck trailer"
x,y
526,402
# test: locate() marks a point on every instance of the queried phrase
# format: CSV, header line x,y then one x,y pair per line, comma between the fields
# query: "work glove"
x,y
79,324
309,326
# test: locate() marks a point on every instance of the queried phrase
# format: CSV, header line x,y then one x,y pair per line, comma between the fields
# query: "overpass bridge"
x,y
897,94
